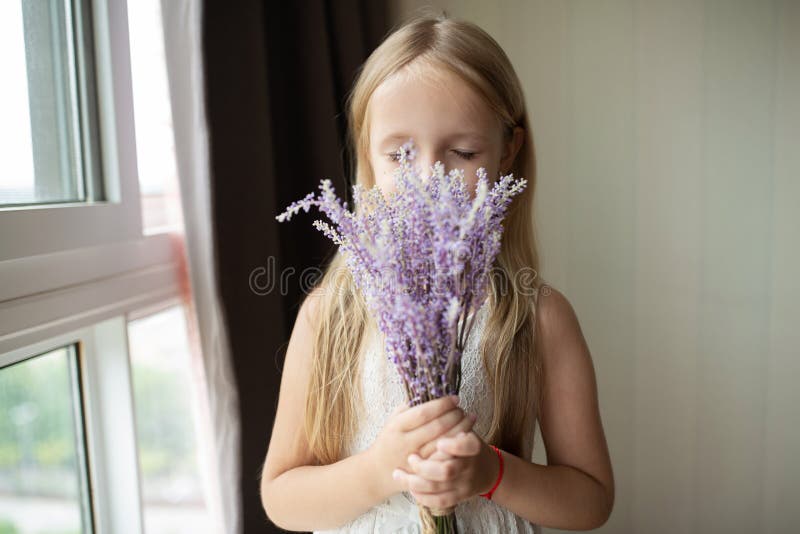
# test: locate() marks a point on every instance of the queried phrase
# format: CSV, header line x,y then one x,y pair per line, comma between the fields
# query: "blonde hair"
x,y
342,320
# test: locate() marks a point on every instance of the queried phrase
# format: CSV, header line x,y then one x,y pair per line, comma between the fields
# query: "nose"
x,y
425,160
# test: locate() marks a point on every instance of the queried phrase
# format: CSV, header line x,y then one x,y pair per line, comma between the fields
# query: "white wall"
x,y
668,138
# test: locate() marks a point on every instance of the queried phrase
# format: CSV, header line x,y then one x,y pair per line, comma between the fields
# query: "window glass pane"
x,y
44,105
172,489
155,140
43,485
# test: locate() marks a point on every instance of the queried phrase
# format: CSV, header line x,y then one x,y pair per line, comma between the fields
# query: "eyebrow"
x,y
477,136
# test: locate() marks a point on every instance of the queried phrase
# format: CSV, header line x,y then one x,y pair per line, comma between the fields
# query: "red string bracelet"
x,y
488,494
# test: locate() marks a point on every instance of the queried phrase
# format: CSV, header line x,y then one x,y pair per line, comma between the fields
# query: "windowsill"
x,y
47,294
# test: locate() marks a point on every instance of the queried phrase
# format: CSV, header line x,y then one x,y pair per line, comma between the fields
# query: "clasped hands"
x,y
449,469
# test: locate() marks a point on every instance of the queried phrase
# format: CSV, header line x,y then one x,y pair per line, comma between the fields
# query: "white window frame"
x,y
65,261
46,228
108,420
79,272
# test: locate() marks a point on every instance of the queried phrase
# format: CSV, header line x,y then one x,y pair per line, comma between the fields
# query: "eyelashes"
x,y
395,156
464,155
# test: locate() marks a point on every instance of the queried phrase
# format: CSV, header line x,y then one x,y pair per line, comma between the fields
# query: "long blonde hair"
x,y
342,320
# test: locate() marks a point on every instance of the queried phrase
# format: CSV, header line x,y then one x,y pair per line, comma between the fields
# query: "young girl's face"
x,y
448,122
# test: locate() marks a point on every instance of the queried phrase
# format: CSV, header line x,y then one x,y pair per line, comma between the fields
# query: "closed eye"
x,y
395,156
464,155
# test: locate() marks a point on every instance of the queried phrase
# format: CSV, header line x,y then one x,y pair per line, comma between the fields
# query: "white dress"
x,y
383,387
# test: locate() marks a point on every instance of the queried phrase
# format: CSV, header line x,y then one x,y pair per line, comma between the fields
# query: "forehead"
x,y
433,107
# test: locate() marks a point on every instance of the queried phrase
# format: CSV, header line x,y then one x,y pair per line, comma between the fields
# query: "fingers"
x,y
423,413
438,455
465,425
428,493
417,484
468,444
435,428
434,470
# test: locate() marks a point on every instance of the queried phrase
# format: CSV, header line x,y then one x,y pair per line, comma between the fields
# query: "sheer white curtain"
x,y
221,436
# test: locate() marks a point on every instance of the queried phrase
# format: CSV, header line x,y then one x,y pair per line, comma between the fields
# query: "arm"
x,y
295,494
321,497
575,491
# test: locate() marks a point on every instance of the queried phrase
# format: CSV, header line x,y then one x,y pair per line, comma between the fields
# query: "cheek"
x,y
378,171
384,180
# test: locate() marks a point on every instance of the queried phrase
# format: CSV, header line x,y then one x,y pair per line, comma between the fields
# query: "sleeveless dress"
x,y
382,386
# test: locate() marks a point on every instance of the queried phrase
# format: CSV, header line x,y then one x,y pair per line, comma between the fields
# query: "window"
x,y
74,433
43,487
166,426
89,280
48,136
155,140
69,174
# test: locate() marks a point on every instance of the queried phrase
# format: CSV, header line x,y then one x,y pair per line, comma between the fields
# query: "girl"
x,y
347,454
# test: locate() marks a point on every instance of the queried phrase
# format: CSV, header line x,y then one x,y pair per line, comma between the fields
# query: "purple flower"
x,y
421,257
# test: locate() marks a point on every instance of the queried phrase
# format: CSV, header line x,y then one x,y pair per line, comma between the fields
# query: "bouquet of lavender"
x,y
421,257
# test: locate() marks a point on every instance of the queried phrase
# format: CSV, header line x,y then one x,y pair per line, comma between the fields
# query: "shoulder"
x,y
554,311
557,325
310,306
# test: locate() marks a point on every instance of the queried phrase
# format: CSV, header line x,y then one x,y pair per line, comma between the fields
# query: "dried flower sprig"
x,y
421,256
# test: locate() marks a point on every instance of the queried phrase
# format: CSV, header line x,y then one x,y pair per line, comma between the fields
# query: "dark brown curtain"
x,y
276,76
